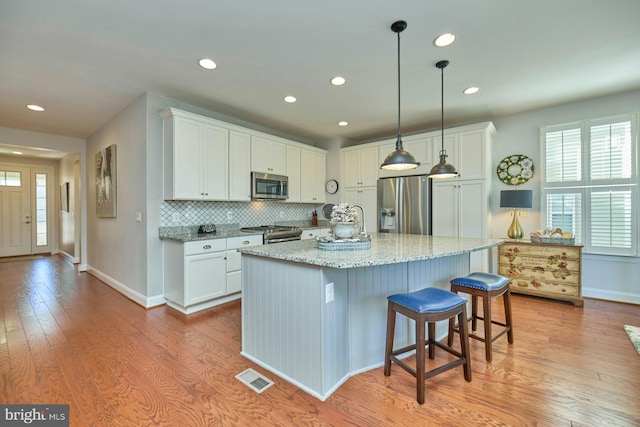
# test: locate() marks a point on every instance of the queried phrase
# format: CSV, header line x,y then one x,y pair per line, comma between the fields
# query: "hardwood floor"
x,y
65,337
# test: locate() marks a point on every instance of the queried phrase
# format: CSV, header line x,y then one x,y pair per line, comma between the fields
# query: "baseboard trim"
x,y
616,296
135,296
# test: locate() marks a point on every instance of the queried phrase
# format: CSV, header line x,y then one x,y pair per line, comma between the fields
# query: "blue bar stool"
x,y
487,286
428,305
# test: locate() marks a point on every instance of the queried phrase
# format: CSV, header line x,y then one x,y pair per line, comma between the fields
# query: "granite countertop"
x,y
386,248
190,233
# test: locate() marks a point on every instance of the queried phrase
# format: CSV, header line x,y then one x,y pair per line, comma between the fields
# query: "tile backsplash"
x,y
185,213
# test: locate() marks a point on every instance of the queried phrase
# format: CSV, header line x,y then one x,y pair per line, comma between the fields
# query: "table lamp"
x,y
516,199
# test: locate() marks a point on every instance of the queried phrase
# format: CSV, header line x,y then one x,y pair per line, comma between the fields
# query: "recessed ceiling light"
x,y
290,99
207,63
444,39
343,123
471,90
338,81
34,107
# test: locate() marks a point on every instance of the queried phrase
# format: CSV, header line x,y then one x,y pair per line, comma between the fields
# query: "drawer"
x,y
244,241
538,283
204,246
550,272
313,233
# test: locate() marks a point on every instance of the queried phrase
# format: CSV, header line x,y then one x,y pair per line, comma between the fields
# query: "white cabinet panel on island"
x,y
203,273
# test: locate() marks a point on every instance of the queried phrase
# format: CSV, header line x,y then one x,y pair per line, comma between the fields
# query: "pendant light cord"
x,y
398,141
442,107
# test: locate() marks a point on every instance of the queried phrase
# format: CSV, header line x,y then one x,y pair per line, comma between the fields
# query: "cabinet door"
x,y
215,163
187,159
471,159
444,209
313,171
268,156
351,168
239,166
369,166
294,166
205,276
472,209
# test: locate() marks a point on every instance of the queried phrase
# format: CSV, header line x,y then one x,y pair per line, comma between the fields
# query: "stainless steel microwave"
x,y
269,186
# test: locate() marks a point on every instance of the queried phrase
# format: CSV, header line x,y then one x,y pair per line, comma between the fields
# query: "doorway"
x,y
26,207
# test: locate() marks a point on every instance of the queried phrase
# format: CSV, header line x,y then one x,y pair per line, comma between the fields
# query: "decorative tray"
x,y
329,244
555,240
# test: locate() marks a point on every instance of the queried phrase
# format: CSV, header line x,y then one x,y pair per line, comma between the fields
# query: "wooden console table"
x,y
543,269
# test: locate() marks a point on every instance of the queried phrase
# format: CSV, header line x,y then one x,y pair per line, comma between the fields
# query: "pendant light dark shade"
x,y
399,159
442,169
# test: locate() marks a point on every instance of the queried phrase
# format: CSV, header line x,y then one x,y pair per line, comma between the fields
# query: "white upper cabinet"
x,y
293,173
239,166
268,156
196,159
206,159
418,145
467,149
313,166
360,166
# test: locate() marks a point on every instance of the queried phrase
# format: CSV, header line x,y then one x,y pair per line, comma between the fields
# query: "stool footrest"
x,y
428,374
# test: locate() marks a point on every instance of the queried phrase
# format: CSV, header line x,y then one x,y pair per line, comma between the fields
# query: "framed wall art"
x,y
106,182
64,197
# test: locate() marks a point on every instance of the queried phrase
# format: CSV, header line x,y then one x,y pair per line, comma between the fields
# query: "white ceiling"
x,y
84,61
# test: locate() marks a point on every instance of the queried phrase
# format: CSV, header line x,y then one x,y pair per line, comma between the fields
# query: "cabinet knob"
x,y
206,247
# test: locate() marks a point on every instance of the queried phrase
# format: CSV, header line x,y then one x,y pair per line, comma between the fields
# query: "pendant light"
x,y
442,169
399,159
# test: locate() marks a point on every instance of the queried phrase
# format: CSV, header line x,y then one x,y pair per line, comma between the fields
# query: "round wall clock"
x,y
515,169
331,186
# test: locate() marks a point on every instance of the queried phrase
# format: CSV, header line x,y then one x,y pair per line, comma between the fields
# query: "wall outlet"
x,y
281,214
525,213
229,216
328,292
175,217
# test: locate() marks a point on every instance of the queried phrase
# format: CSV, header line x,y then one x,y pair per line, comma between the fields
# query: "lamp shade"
x,y
516,199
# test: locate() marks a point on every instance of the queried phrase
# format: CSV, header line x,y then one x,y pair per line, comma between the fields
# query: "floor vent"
x,y
254,380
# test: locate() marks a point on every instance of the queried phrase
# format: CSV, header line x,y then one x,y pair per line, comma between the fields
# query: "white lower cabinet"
x,y
204,273
313,233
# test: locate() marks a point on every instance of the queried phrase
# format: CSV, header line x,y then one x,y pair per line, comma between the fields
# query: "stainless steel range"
x,y
276,233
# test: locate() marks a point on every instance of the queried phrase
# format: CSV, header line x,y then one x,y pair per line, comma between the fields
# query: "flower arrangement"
x,y
344,212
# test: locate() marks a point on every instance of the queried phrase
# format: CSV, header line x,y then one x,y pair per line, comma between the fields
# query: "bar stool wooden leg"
x,y
474,312
464,343
486,308
506,297
420,362
391,328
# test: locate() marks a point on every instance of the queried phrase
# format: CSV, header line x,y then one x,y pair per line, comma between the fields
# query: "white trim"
x,y
615,296
134,296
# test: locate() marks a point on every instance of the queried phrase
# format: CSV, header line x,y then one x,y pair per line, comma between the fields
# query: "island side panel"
x,y
368,291
288,328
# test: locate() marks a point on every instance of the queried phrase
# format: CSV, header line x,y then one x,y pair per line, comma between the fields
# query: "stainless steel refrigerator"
x,y
404,205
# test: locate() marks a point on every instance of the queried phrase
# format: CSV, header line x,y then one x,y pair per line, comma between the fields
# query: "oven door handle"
x,y
283,239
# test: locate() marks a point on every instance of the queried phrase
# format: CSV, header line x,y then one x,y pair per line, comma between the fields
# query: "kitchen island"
x,y
316,317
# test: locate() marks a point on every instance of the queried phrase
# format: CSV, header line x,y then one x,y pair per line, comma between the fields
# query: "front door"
x,y
15,211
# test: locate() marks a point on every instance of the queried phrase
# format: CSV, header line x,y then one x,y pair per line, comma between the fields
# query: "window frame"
x,y
586,186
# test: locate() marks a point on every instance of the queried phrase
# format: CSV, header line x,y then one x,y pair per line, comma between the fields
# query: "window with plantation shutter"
x,y
590,183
